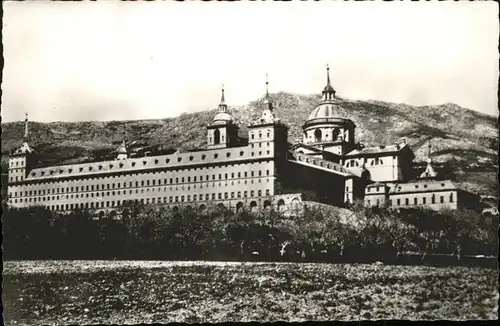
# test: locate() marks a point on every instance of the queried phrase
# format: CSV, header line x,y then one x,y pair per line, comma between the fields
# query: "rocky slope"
x,y
465,139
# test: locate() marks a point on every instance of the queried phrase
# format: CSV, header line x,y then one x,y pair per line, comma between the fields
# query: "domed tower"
x,y
122,151
327,130
222,132
20,161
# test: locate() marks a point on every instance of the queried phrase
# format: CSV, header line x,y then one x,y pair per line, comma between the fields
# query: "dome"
x,y
222,116
122,150
326,110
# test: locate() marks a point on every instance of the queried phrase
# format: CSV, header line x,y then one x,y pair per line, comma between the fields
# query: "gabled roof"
x,y
377,150
312,148
422,186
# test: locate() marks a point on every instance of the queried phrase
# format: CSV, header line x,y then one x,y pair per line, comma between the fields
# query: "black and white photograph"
x,y
249,161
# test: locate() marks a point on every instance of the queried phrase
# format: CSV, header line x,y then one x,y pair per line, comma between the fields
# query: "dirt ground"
x,y
92,292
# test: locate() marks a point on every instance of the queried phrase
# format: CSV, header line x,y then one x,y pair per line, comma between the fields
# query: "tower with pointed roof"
x,y
222,131
429,172
20,160
267,132
122,151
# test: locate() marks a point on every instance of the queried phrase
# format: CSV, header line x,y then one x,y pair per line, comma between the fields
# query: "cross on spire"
x,y
328,91
222,104
267,86
26,126
222,99
328,75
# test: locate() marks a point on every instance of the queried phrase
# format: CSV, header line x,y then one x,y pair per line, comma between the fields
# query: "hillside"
x,y
465,139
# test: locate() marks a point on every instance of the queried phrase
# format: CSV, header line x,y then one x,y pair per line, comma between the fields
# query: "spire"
x,y
328,75
222,104
25,127
267,99
429,170
267,86
328,91
222,100
268,114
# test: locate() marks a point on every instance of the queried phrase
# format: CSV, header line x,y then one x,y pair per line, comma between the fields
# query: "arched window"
x,y
317,135
217,137
335,134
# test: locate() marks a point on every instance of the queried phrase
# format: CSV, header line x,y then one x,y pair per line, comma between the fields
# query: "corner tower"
x,y
222,132
20,161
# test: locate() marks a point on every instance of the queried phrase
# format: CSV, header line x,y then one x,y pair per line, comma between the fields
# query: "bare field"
x,y
122,292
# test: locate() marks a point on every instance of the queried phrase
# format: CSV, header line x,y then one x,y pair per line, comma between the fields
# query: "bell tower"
x,y
222,132
20,160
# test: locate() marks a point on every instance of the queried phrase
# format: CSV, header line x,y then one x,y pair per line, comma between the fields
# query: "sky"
x,y
109,60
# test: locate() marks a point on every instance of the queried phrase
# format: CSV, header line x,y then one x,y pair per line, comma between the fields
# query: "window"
x,y
441,199
259,193
378,202
399,202
451,198
390,202
424,200
407,201
219,195
368,202
433,199
252,193
415,201
225,195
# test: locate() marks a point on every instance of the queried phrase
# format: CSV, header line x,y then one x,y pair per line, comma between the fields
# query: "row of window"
x,y
355,163
142,183
17,163
320,162
416,201
170,199
252,135
133,164
124,192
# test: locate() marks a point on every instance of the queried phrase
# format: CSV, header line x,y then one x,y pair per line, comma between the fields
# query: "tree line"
x,y
158,233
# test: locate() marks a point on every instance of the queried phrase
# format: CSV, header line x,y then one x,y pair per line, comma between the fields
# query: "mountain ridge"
x,y
464,138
